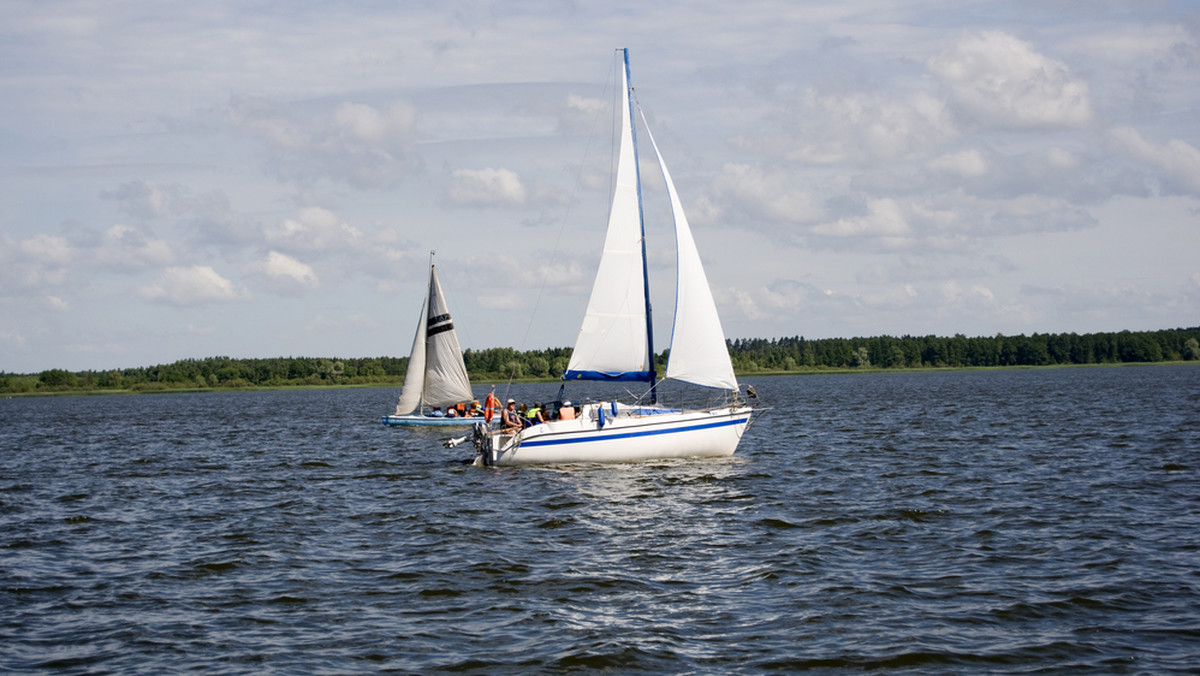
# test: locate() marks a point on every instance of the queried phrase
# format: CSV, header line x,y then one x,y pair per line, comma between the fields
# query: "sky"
x,y
267,179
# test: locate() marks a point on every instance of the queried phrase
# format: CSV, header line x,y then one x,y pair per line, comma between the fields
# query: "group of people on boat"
x,y
460,410
519,417
513,417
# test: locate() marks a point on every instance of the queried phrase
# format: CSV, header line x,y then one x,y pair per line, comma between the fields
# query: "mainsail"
x,y
436,375
613,342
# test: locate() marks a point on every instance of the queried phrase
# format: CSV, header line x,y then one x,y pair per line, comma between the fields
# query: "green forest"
x,y
750,356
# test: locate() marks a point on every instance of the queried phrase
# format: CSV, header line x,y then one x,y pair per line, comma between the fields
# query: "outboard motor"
x,y
483,443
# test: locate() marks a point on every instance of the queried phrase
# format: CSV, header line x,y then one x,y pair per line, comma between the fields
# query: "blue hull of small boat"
x,y
427,421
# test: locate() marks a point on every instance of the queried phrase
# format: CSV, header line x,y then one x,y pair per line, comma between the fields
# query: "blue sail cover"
x,y
626,376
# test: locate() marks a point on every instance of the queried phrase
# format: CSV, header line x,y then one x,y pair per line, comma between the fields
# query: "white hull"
x,y
636,434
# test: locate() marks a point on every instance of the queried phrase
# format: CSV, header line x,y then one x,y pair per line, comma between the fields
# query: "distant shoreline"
x,y
793,355
814,371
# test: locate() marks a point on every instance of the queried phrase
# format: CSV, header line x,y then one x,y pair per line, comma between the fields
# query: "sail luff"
x,y
698,351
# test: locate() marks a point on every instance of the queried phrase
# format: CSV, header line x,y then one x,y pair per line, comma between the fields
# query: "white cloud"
x,y
124,248
745,303
831,129
319,323
286,275
486,187
354,143
754,193
1005,83
890,298
144,199
193,285
580,112
954,292
533,271
1179,160
50,249
364,123
884,222
315,229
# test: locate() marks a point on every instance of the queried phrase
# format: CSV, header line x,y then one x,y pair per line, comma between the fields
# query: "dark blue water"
x,y
1000,521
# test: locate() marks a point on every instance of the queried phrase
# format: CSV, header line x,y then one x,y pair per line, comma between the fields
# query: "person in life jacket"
x,y
535,416
566,411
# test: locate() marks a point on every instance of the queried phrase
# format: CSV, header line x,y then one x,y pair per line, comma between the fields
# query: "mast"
x,y
642,225
425,318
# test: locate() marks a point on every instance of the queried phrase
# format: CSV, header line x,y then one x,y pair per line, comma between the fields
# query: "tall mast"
x,y
642,225
428,294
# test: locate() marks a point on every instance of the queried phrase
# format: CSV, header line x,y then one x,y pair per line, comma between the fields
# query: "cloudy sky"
x,y
267,179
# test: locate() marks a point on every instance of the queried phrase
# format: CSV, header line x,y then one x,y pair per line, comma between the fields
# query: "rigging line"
x,y
575,189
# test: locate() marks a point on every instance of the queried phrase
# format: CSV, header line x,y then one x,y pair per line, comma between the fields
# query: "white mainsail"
x,y
436,374
612,340
698,351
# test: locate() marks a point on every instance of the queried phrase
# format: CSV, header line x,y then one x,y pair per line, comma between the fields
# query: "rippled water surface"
x,y
999,521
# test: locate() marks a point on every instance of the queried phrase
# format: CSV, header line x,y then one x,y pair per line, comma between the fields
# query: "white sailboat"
x,y
615,343
436,375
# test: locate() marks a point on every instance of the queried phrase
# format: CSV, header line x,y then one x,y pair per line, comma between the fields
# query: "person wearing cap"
x,y
511,419
566,411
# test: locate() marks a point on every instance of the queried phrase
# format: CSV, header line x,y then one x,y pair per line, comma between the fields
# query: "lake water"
x,y
1001,521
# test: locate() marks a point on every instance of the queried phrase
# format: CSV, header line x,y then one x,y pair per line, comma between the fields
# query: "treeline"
x,y
749,356
1039,349
495,364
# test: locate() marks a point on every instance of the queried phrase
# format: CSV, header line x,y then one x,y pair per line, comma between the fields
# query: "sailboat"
x,y
436,375
615,344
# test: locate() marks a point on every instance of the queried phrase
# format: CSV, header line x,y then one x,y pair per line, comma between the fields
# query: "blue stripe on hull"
x,y
600,436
